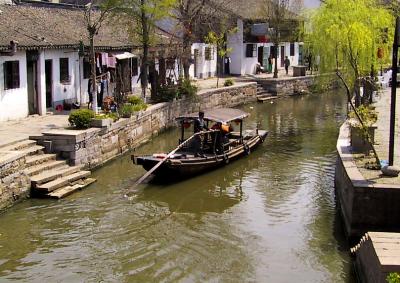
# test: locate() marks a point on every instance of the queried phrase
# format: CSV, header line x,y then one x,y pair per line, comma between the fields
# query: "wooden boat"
x,y
184,163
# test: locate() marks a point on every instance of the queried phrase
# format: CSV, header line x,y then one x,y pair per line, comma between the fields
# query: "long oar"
x,y
145,176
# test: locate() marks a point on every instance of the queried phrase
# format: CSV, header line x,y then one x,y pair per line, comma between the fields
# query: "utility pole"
x,y
393,96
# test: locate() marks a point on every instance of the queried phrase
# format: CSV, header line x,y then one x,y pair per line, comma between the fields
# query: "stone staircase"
x,y
49,177
262,94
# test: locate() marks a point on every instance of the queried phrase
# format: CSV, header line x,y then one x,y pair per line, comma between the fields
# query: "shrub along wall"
x,y
93,147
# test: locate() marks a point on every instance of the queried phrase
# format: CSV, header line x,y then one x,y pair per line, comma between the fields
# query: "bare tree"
x,y
94,16
143,17
194,17
281,18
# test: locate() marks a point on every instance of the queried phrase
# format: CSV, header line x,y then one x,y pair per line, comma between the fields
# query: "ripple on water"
x,y
269,217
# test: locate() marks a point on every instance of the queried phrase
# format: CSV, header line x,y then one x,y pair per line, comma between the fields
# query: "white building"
x,y
48,68
245,55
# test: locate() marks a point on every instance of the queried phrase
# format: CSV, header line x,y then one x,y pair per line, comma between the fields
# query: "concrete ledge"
x,y
364,205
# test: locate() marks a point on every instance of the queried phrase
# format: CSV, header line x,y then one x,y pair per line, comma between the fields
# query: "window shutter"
x,y
15,74
291,49
5,75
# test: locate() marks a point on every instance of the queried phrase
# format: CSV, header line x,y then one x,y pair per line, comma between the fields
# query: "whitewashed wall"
x,y
242,65
235,43
204,68
14,102
70,90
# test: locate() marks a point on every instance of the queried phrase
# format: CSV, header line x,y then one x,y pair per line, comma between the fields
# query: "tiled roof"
x,y
41,27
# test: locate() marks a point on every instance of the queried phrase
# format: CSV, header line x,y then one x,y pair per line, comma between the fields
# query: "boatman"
x,y
199,125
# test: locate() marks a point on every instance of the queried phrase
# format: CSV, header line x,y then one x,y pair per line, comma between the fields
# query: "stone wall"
x,y
94,146
14,184
287,86
364,205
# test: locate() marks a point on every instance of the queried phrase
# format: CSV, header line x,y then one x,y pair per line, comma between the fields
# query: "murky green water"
x,y
269,217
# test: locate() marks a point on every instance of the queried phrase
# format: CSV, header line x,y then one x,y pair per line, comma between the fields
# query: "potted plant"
x,y
101,120
359,134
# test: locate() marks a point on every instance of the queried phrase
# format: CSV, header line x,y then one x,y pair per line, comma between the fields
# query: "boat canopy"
x,y
222,115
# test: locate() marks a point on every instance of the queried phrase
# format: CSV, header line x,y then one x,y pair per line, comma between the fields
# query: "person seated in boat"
x,y
199,125
221,136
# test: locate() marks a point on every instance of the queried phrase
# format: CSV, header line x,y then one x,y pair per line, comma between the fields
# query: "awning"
x,y
125,55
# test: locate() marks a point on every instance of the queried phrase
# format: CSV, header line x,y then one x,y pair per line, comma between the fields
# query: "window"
x,y
208,54
64,70
251,50
135,66
11,74
273,51
291,49
86,69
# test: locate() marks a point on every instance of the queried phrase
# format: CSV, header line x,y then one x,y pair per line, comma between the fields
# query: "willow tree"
x,y
346,34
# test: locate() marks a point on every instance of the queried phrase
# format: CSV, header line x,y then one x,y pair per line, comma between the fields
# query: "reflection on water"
x,y
269,217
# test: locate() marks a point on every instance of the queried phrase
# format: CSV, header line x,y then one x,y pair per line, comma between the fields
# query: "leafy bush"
x,y
393,278
229,82
186,88
367,115
167,93
127,110
133,99
139,107
111,115
81,118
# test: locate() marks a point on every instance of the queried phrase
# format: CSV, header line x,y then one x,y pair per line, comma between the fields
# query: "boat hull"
x,y
175,168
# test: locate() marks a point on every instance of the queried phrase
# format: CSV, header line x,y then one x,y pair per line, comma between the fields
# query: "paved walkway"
x,y
12,131
383,124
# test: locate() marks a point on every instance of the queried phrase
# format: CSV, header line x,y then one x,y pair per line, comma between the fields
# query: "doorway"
x,y
261,55
282,56
48,70
32,75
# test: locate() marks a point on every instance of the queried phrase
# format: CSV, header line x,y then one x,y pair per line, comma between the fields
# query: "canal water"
x,y
269,217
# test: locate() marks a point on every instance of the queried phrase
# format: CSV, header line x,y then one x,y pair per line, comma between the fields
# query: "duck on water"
x,y
213,144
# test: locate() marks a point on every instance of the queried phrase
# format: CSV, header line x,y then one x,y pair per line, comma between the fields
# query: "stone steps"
x,y
69,189
266,98
39,159
48,177
19,145
53,174
33,150
50,164
61,182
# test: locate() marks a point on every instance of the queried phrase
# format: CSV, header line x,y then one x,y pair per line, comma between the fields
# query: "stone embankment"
x,y
40,166
365,205
93,147
376,256
26,169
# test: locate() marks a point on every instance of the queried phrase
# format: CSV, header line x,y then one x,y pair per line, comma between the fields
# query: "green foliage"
x,y
229,82
111,115
167,93
219,40
347,34
393,277
133,99
187,89
184,89
367,115
127,110
81,118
